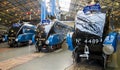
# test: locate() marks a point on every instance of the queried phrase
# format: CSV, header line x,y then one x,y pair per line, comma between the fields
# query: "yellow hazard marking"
x,y
11,63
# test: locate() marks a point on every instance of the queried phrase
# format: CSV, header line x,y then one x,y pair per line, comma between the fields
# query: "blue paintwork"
x,y
69,42
46,21
111,39
5,38
43,11
95,7
55,39
33,39
53,7
16,25
119,37
28,33
25,37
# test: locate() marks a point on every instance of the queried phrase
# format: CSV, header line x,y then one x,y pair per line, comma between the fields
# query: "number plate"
x,y
42,39
11,37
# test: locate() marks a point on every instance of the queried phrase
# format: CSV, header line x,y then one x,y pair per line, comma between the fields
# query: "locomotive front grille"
x,y
11,39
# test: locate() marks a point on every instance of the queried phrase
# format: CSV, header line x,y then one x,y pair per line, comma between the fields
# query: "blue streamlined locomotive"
x,y
50,37
90,38
20,34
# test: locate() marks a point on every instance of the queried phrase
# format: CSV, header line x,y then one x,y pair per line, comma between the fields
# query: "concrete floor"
x,y
57,60
53,61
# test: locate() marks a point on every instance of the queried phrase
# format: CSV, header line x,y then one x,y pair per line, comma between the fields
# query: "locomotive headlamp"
x,y
47,42
110,43
108,49
16,39
3,39
12,30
